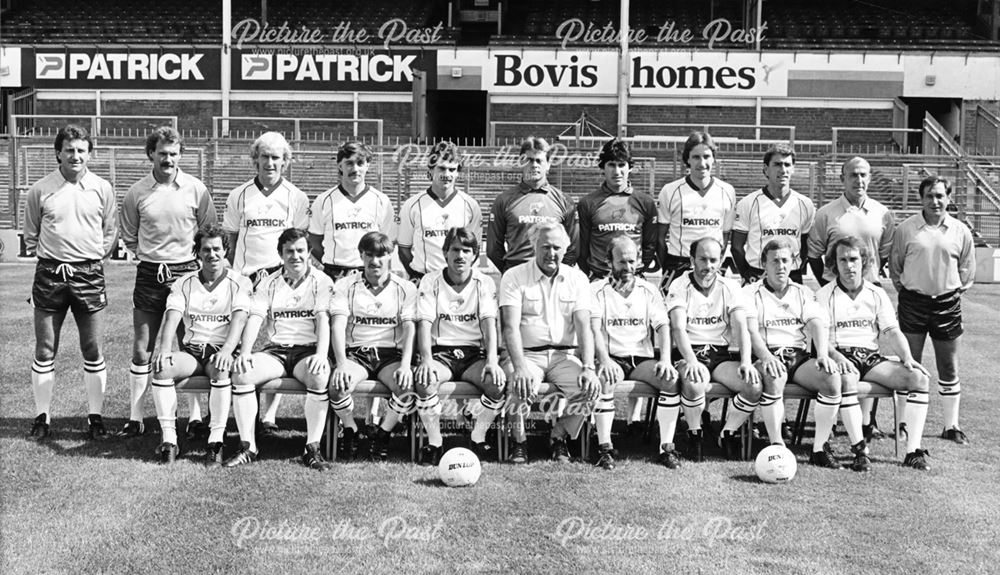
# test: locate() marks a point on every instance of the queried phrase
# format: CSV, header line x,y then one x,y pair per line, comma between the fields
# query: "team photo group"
x,y
615,286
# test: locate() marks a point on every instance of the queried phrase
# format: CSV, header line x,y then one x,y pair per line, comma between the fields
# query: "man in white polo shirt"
x,y
709,328
257,212
627,310
545,307
426,217
343,214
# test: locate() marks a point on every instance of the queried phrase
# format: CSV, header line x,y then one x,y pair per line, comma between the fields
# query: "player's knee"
x,y
917,381
692,389
773,385
830,385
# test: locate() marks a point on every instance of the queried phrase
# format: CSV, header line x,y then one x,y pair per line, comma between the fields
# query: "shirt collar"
x,y
260,185
945,222
537,275
607,190
545,188
848,205
175,184
694,186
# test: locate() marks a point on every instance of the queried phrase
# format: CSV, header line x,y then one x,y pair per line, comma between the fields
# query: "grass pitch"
x,y
73,506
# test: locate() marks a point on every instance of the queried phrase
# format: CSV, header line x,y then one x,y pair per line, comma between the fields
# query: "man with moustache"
x,y
160,215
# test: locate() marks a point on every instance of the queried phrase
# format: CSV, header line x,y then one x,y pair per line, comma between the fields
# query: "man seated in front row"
x,y
457,339
372,337
626,311
782,317
213,303
545,309
295,303
860,312
708,320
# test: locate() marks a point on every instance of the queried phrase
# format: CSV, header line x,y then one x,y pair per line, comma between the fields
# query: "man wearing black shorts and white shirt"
x,y
860,312
932,263
295,304
457,339
159,218
213,303
627,310
709,328
372,334
70,224
784,321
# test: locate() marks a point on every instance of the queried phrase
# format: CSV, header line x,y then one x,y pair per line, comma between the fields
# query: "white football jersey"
x,y
291,313
374,320
343,220
708,316
259,220
207,314
424,220
782,321
455,315
632,321
763,220
693,215
857,322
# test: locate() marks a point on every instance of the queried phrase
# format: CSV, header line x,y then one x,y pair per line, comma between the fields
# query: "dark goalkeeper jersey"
x,y
604,214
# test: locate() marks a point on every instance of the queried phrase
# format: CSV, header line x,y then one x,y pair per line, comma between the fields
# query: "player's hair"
x,y
291,235
774,245
376,244
349,149
72,132
619,240
849,242
464,237
697,139
614,150
779,150
536,144
208,232
272,140
536,230
444,152
697,242
163,134
931,181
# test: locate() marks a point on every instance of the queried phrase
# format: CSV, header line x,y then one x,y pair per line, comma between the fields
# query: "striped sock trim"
x,y
161,382
849,399
767,400
346,403
428,403
400,405
918,398
743,405
668,400
136,369
243,389
949,387
220,383
94,366
696,402
492,405
827,400
316,392
43,366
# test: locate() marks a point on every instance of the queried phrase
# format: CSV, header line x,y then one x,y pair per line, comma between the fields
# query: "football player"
x,y
696,206
426,217
457,339
627,310
257,212
213,303
372,337
709,328
783,317
70,224
345,213
160,215
860,312
293,306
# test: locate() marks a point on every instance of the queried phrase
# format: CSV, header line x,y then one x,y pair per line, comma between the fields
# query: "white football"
x,y
775,464
459,467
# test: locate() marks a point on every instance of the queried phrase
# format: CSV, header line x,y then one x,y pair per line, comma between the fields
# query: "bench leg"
x,y
412,432
748,437
800,421
585,440
501,424
330,436
895,427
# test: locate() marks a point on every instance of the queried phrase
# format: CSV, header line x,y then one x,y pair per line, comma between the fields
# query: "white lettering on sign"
x,y
121,66
329,67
